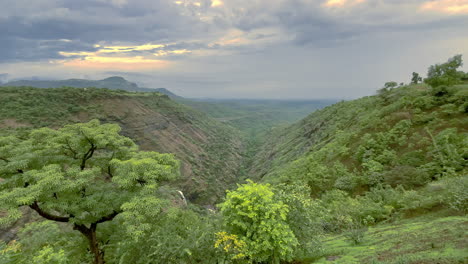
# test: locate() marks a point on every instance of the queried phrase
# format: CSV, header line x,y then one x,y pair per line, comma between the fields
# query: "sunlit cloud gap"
x,y
119,63
216,3
447,6
342,3
102,59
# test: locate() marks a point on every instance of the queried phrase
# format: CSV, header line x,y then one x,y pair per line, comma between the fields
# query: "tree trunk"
x,y
94,246
90,234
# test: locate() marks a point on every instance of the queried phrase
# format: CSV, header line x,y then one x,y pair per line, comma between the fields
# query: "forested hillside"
x,y
408,135
206,147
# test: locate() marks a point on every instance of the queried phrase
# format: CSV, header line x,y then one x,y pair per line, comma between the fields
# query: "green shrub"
x,y
355,234
456,193
407,176
255,215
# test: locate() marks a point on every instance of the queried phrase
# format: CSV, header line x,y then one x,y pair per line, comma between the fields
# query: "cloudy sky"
x,y
233,48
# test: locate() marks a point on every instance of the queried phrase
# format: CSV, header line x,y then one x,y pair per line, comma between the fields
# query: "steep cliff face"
x,y
210,151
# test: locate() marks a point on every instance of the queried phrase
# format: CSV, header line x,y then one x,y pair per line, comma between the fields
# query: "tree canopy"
x,y
415,79
445,73
81,174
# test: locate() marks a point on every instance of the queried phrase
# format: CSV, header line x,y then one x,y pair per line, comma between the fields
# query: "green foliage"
x,y
456,195
175,236
304,218
48,107
356,233
390,85
46,242
230,246
82,174
47,255
417,240
256,217
449,151
446,73
415,79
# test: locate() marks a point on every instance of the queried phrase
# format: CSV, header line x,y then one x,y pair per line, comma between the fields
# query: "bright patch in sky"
x,y
108,49
169,52
117,63
341,3
105,57
447,6
215,3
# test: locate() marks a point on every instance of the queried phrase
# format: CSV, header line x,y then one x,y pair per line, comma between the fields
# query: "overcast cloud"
x,y
233,48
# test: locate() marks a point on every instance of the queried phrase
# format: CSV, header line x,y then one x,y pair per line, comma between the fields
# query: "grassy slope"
x,y
207,148
420,240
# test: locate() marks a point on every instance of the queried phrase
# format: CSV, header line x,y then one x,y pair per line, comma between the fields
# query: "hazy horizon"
x,y
200,98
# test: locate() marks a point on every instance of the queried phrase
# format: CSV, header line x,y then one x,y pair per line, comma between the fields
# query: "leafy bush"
x,y
177,236
303,218
456,194
44,242
407,176
255,215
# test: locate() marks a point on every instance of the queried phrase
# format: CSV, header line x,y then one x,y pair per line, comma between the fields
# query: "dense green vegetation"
x,y
408,136
381,179
85,175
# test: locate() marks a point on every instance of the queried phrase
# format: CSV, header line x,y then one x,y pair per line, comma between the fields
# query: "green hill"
x,y
409,135
113,83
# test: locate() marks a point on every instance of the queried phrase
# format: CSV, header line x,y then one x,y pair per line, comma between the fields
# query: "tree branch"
x,y
109,169
68,147
48,216
87,156
107,218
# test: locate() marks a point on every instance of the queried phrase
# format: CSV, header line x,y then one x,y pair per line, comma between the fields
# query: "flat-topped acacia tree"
x,y
82,174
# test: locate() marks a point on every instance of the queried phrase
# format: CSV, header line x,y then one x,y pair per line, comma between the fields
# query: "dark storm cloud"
x,y
86,23
25,24
14,49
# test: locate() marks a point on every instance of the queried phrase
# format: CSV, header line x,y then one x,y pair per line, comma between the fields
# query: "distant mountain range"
x,y
113,83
